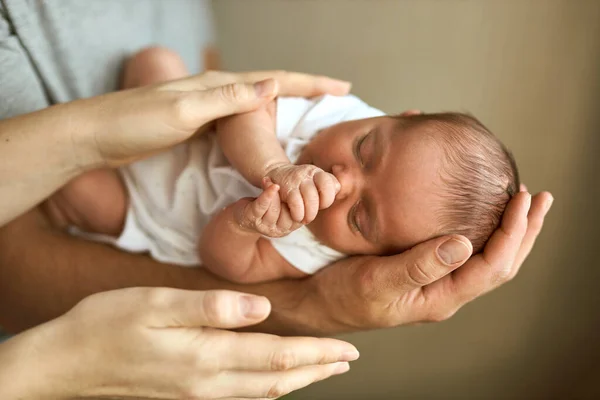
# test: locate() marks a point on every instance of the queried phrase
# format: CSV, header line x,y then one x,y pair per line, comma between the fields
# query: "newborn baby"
x,y
296,185
338,178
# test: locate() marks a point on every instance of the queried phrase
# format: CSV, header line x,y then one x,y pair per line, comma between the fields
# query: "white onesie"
x,y
173,195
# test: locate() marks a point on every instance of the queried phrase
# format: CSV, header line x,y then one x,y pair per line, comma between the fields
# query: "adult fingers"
x,y
215,308
272,385
262,352
540,205
487,270
425,263
291,83
195,108
301,85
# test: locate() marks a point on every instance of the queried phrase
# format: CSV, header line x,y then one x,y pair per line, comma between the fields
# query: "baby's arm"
x,y
232,245
250,144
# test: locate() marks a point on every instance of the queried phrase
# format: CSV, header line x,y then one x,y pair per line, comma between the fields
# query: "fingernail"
x,y
453,251
254,306
341,368
349,355
345,85
549,204
265,88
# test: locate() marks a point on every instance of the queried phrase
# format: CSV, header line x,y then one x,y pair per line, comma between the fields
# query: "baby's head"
x,y
409,178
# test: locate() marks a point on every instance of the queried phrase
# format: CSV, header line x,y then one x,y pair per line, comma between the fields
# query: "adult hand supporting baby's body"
x,y
429,282
120,127
172,112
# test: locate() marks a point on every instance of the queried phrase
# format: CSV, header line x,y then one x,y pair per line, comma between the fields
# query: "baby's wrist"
x,y
270,169
241,223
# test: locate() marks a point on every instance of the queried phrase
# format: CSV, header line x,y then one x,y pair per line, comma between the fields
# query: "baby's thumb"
x,y
236,98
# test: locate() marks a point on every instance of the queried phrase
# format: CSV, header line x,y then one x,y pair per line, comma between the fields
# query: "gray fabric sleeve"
x,y
21,90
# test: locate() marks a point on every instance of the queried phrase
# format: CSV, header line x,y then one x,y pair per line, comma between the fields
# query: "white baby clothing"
x,y
173,195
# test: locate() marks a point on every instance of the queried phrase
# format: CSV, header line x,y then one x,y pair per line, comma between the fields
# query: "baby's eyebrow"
x,y
373,230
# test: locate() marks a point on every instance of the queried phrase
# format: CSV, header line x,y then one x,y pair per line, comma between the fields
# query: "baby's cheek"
x,y
330,228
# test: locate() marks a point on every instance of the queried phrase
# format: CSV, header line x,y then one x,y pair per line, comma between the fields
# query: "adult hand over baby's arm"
x,y
418,285
119,127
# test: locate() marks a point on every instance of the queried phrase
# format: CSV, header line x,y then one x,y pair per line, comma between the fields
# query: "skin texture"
x,y
390,186
429,282
164,344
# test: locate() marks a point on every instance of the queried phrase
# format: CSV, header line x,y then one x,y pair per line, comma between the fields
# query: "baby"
x,y
322,179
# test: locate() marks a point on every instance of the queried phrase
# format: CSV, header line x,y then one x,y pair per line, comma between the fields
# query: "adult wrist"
x,y
28,370
82,133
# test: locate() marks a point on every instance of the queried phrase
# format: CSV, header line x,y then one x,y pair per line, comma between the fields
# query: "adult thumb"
x,y
214,308
235,98
429,261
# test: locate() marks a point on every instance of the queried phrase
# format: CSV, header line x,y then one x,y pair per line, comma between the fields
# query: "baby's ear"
x,y
408,113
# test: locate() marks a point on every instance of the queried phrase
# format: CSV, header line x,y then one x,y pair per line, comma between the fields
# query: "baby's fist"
x,y
266,214
305,188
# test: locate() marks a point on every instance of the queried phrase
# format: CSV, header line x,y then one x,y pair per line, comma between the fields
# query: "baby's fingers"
x,y
262,204
285,222
296,204
310,196
328,187
272,214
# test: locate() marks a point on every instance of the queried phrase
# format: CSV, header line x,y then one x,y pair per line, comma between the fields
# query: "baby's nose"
x,y
345,180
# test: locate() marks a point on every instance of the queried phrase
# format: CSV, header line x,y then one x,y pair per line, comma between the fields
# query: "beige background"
x,y
531,71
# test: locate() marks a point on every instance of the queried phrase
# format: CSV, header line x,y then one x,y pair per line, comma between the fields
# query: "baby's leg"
x,y
96,201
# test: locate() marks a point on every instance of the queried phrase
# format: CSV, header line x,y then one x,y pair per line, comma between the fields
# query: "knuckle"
x,y
181,109
418,273
216,306
156,298
234,92
211,73
277,390
194,391
441,315
504,275
283,360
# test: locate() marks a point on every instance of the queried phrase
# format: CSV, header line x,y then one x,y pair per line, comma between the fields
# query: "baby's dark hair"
x,y
479,173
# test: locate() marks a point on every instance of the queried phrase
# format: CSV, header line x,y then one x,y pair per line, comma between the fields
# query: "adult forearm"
x,y
26,356
39,152
44,273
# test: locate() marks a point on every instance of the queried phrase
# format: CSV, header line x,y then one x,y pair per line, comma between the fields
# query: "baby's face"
x,y
390,186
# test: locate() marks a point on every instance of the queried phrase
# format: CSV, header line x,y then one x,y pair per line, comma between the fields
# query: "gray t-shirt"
x,y
55,51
